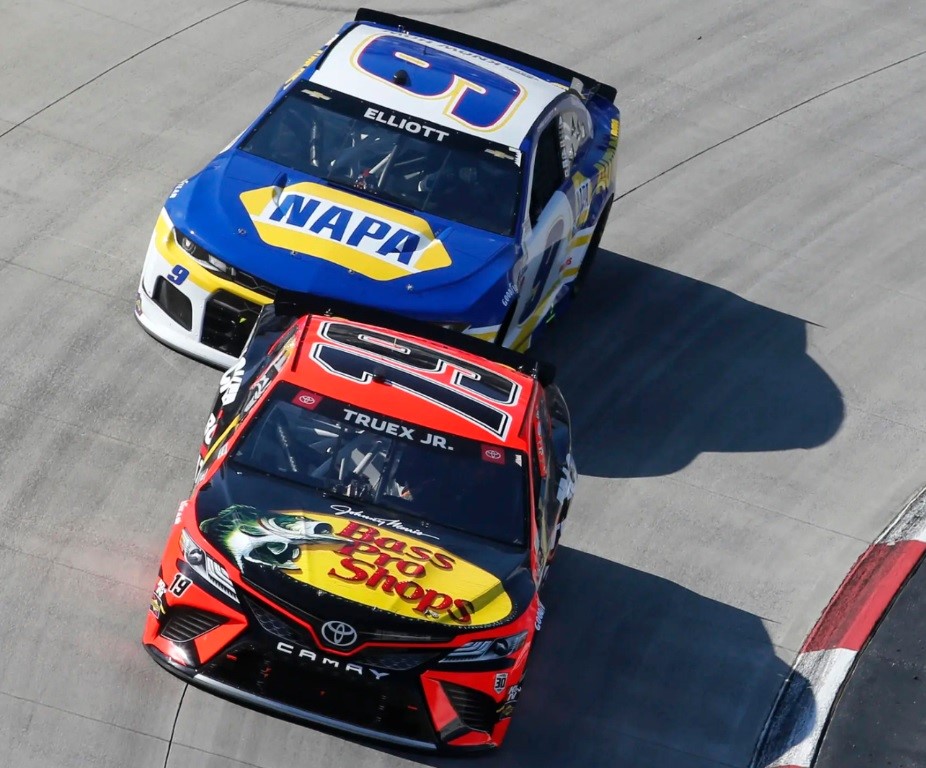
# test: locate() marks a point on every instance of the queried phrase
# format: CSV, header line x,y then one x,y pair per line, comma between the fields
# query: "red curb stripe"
x,y
864,595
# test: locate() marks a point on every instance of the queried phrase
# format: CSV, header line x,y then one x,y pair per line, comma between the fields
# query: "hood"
x,y
330,559
297,232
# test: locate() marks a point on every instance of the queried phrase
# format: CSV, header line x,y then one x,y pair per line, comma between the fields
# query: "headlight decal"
x,y
212,263
486,650
206,567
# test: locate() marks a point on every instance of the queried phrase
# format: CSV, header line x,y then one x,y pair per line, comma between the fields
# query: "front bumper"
x,y
262,659
191,308
258,701
201,313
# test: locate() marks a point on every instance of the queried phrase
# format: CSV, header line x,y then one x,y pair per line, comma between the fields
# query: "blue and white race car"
x,y
404,166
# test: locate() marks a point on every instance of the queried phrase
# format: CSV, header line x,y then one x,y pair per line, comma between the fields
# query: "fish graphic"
x,y
272,539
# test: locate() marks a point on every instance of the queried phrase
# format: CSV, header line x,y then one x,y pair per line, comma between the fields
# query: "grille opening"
x,y
174,303
185,624
399,660
227,322
278,626
476,709
390,659
396,708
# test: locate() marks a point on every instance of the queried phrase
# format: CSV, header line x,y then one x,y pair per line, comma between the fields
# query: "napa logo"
x,y
361,235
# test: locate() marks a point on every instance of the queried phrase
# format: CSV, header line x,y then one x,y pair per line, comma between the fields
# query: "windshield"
x,y
406,161
432,476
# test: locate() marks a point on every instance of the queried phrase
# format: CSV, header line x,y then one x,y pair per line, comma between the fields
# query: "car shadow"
x,y
658,368
631,669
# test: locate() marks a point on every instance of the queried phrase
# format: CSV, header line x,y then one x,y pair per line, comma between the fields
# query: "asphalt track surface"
x,y
878,718
744,369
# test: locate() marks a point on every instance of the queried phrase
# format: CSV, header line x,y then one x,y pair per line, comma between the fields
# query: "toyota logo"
x,y
493,454
338,633
307,399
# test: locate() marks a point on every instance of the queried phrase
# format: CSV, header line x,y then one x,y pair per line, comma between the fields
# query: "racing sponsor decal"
x,y
226,419
539,443
501,680
158,605
231,382
493,454
303,68
307,400
270,372
606,164
507,706
582,199
361,235
567,484
510,293
209,432
541,612
383,522
176,190
375,565
573,132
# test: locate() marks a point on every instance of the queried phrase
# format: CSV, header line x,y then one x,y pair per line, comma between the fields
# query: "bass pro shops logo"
x,y
361,235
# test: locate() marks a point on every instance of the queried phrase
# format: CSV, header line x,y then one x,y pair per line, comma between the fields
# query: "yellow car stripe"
x,y
580,240
217,443
206,279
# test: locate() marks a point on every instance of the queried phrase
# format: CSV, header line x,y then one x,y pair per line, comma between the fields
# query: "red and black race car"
x,y
373,516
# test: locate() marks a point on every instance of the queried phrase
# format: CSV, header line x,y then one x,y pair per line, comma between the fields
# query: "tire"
x,y
506,323
592,251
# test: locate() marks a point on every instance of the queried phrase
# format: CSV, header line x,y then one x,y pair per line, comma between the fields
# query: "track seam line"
x,y
69,567
119,298
218,754
170,178
699,221
881,417
119,64
769,119
173,728
92,719
765,509
83,430
94,12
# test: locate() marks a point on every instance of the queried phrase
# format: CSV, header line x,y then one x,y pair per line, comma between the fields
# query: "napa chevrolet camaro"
x,y
407,167
373,516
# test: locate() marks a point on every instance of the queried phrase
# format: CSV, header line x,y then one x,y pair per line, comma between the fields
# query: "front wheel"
x,y
592,251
